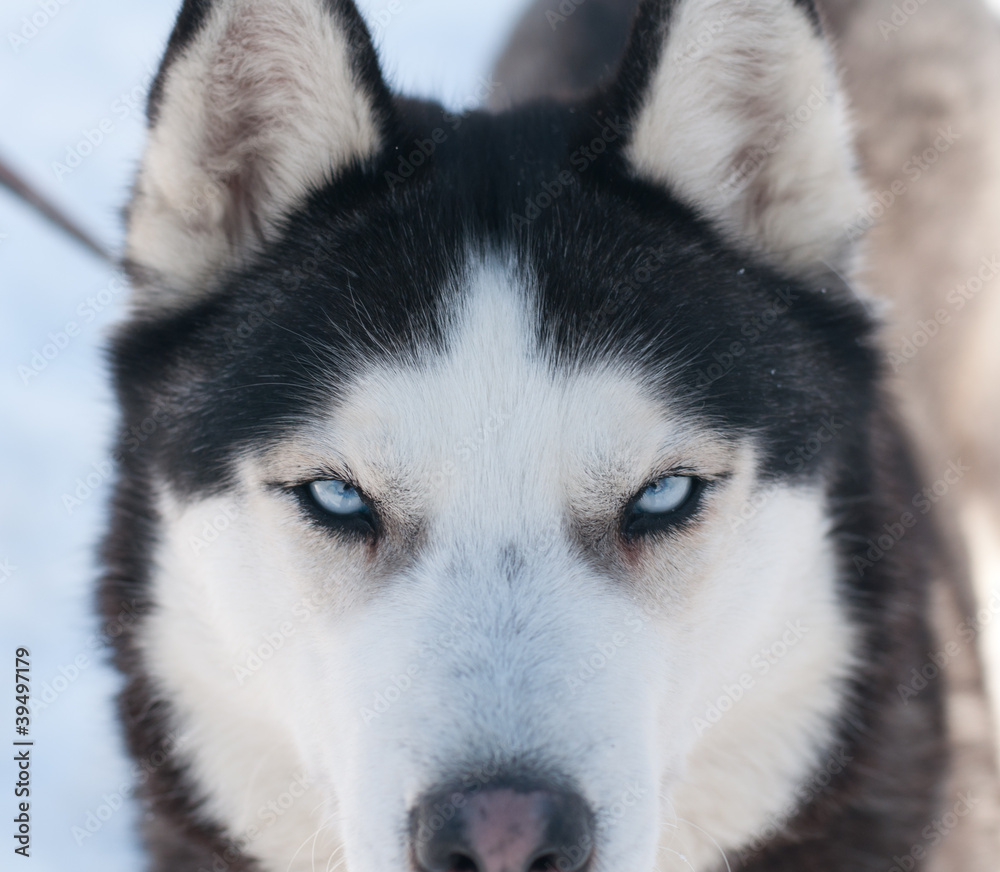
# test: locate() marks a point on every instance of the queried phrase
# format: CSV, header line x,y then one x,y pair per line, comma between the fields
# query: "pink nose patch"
x,y
507,830
502,829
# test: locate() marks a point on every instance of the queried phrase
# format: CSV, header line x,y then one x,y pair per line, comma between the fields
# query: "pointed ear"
x,y
735,107
257,103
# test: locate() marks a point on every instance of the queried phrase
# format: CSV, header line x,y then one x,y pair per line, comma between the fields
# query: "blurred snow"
x,y
74,75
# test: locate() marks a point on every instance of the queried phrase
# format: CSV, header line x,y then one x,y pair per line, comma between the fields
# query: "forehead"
x,y
493,395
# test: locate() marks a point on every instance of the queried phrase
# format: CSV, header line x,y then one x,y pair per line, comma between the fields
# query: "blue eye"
x,y
337,497
667,495
664,505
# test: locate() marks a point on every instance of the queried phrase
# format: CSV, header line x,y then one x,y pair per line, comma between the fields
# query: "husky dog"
x,y
517,491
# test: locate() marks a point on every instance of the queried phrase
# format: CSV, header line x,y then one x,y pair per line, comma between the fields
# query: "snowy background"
x,y
85,71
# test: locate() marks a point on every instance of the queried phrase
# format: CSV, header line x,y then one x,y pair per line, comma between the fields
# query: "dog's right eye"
x,y
336,503
337,497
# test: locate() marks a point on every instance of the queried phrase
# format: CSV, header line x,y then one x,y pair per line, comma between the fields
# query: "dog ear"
x,y
256,104
734,105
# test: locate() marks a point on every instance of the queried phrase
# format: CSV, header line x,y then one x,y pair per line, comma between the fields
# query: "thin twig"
x,y
13,182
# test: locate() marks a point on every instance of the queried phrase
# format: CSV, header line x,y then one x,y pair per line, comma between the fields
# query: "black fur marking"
x,y
812,10
642,56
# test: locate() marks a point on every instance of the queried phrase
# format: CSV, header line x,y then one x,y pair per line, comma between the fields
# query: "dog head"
x,y
486,463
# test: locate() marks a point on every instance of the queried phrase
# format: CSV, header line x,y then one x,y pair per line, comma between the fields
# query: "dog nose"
x,y
502,830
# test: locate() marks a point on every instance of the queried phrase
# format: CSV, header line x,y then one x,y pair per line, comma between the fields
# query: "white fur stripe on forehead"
x,y
261,106
744,120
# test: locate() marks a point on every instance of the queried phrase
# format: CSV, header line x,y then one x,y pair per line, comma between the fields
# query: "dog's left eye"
x,y
667,495
663,504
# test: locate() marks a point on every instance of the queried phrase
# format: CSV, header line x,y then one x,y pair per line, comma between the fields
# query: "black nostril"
x,y
502,829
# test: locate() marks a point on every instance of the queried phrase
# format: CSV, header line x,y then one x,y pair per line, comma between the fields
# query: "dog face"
x,y
488,526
